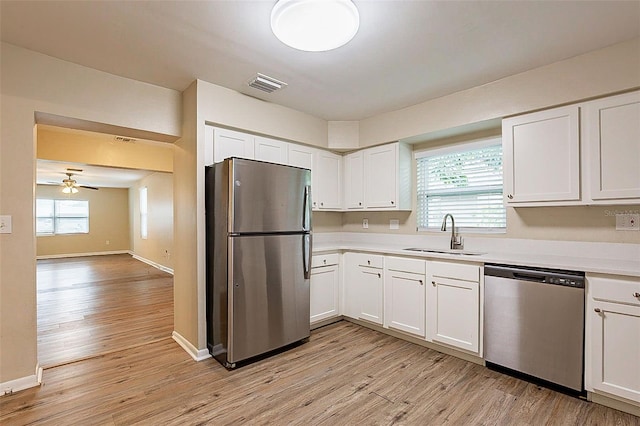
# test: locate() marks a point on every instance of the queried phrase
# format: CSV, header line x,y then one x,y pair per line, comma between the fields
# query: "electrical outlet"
x,y
627,222
5,224
107,242
365,223
394,224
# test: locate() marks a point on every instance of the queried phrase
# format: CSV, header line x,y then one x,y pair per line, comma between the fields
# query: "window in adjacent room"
x,y
464,180
144,231
62,216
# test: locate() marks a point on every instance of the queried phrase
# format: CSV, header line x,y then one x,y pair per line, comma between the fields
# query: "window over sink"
x,y
464,180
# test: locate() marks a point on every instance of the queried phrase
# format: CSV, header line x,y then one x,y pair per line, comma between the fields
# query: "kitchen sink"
x,y
446,251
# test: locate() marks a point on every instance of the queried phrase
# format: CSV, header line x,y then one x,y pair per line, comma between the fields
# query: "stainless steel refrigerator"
x,y
258,258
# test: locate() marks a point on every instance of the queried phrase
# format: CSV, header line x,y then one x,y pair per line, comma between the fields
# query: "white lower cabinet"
x,y
453,305
363,287
404,295
325,287
613,336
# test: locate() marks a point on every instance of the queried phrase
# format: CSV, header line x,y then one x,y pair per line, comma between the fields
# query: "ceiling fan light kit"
x,y
315,25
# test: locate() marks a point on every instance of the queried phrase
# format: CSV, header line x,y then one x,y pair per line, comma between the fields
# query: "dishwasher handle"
x,y
529,277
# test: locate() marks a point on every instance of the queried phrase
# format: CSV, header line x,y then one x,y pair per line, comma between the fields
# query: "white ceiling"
x,y
406,52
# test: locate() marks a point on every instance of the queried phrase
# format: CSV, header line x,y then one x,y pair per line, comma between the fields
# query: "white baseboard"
x,y
16,385
196,354
152,263
95,253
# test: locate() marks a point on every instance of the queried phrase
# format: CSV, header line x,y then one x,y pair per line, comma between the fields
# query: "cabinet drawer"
x,y
459,271
403,264
371,260
325,260
619,289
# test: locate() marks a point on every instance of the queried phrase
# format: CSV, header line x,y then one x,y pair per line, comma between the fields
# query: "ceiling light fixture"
x,y
315,25
70,190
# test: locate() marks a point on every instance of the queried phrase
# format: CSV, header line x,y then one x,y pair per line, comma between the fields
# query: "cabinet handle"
x,y
510,197
421,283
324,261
392,202
368,262
359,203
322,204
597,310
434,283
379,276
636,294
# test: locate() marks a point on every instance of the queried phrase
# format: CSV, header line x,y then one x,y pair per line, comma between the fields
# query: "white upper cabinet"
x,y
301,156
542,157
354,180
271,150
223,143
379,178
611,136
327,183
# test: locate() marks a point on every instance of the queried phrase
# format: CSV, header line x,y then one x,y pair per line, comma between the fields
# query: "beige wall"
x,y
108,221
593,74
158,246
31,82
188,268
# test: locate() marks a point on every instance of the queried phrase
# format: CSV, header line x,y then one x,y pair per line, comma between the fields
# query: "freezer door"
x,y
267,197
269,306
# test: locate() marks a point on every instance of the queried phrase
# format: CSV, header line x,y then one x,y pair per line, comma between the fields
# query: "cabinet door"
x,y
354,180
381,176
301,156
370,293
351,286
453,312
328,183
612,141
228,143
404,301
271,150
541,157
615,349
324,292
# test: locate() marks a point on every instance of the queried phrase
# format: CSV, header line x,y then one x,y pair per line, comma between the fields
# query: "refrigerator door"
x,y
267,197
269,295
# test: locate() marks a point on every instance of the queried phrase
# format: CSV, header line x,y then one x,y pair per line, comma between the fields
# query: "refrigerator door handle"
x,y
306,255
306,209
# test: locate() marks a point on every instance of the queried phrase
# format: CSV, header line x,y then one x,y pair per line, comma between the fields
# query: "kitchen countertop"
x,y
627,267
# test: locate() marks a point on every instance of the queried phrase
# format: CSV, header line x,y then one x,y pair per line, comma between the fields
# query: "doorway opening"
x,y
104,265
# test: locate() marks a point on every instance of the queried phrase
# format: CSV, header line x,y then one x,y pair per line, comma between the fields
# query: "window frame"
x,y
56,217
460,148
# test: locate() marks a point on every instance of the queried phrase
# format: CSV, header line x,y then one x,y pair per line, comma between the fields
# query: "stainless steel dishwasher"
x,y
534,323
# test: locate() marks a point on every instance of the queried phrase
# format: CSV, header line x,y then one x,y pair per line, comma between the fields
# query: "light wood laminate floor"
x,y
93,305
345,375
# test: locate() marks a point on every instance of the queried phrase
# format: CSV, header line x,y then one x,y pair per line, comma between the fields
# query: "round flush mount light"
x,y
315,25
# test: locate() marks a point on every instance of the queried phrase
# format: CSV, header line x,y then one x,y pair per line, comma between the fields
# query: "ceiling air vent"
x,y
266,83
124,139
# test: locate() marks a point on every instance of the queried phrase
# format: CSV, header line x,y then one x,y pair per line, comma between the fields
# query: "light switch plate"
x,y
627,222
5,224
394,224
365,223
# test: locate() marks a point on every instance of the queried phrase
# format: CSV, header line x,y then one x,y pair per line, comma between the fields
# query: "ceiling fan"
x,y
70,186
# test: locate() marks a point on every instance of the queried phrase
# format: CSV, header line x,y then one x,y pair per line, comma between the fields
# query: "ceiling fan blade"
x,y
88,187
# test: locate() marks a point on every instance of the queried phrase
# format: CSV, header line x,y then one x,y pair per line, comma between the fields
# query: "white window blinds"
x,y
466,183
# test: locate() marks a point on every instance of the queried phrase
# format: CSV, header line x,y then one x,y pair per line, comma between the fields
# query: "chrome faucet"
x,y
456,240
